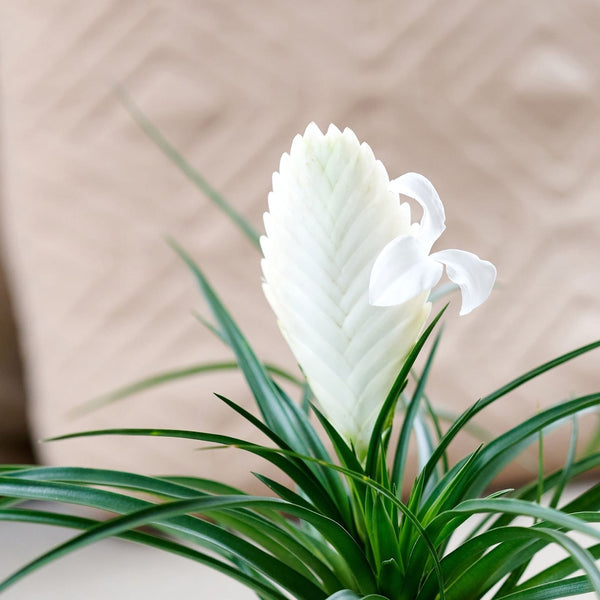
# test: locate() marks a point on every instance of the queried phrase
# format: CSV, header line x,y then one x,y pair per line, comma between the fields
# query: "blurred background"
x,y
498,103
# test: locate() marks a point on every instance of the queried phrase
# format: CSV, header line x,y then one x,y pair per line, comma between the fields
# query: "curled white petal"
x,y
419,188
402,271
474,276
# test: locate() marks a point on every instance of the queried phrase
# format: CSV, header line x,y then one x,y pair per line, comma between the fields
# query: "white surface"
x,y
110,569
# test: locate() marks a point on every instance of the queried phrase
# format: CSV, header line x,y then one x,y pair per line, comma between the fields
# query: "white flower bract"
x,y
331,213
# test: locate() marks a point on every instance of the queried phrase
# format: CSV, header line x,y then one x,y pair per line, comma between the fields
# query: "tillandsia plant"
x,y
349,277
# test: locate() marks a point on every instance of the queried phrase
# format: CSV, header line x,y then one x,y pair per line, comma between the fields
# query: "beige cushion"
x,y
498,106
15,445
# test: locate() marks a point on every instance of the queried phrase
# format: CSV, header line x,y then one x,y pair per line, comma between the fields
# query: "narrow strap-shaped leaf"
x,y
558,490
423,437
181,525
350,595
152,485
407,513
257,423
271,404
491,459
472,569
8,468
184,166
554,590
309,434
332,576
165,377
212,328
284,492
316,448
326,477
384,532
203,485
500,451
75,522
435,419
280,543
343,451
390,402
301,587
288,466
121,479
557,571
529,509
266,563
579,467
449,496
401,452
513,578
482,403
411,544
580,555
278,411
588,500
479,563
349,460
307,397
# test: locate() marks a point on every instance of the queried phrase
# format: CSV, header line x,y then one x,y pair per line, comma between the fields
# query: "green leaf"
x,y
499,451
184,166
290,467
589,499
274,407
557,571
424,438
482,403
278,541
345,595
412,544
167,377
408,514
565,475
384,535
289,579
529,509
390,402
350,595
74,522
580,555
158,486
186,527
401,453
479,563
556,589
278,411
343,451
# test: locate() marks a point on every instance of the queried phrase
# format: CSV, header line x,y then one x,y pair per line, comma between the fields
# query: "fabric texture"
x,y
496,103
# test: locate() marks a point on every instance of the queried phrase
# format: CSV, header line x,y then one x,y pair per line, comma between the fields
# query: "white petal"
x,y
330,214
402,271
474,276
419,188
